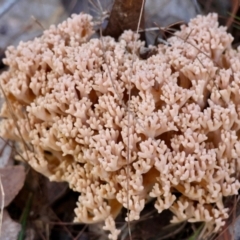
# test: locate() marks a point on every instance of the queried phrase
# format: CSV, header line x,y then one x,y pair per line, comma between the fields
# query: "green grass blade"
x,y
24,217
196,234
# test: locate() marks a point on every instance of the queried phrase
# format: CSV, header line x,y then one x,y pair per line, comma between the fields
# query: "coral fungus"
x,y
178,143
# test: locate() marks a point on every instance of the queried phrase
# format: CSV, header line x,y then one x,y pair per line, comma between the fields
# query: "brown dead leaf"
x,y
10,228
12,178
125,15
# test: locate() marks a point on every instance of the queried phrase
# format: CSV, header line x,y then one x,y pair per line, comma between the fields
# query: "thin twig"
x,y
38,22
80,233
128,112
235,8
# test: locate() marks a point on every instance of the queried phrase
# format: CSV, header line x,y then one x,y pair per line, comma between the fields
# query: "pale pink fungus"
x,y
184,124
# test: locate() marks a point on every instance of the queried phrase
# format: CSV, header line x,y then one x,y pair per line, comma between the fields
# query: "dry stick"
x,y
95,7
128,112
123,104
116,92
12,146
235,8
80,233
38,22
39,232
64,223
112,81
3,148
65,228
2,205
196,57
200,51
124,235
5,144
108,69
214,237
202,232
174,232
100,6
167,27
